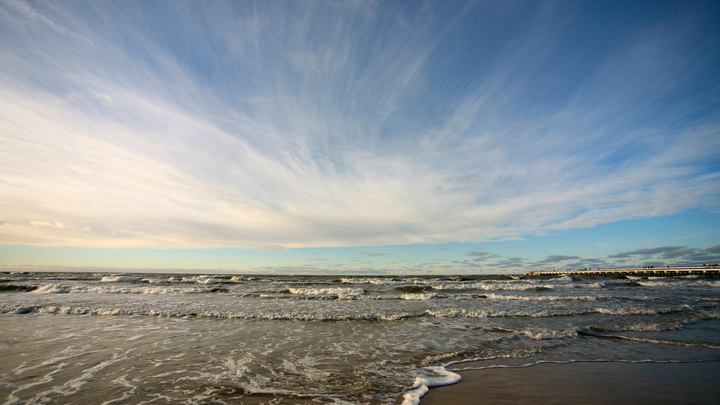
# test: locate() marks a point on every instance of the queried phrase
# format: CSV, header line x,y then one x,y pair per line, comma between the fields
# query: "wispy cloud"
x,y
557,258
371,254
666,250
675,254
481,256
350,123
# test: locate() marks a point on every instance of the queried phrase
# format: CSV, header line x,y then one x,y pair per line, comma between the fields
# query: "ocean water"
x,y
159,338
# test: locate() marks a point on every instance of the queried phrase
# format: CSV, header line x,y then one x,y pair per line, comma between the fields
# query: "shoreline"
x,y
584,382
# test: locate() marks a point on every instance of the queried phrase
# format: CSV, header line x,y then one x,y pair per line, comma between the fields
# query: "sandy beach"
x,y
586,383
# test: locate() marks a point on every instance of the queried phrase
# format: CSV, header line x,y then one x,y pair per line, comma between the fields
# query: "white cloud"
x,y
287,137
46,224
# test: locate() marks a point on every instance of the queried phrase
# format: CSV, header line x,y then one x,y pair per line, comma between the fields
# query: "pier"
x,y
669,271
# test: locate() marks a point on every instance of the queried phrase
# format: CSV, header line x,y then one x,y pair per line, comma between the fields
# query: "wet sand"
x,y
585,383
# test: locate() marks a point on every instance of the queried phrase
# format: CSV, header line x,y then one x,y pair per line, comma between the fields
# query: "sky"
x,y
342,137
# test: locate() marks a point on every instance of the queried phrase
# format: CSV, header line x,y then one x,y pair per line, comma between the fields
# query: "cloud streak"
x,y
346,124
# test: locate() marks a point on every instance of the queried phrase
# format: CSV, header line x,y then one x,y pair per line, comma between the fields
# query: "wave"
x,y
479,314
544,297
644,311
17,288
549,334
494,286
543,333
420,297
565,282
121,278
518,353
339,293
712,283
376,280
659,341
156,279
542,312
283,316
69,289
373,316
686,281
413,288
212,279
625,318
539,362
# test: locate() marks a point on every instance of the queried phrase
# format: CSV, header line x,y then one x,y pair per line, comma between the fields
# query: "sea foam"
x,y
436,376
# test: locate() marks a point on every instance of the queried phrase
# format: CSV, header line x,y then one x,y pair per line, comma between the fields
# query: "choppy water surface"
x,y
140,338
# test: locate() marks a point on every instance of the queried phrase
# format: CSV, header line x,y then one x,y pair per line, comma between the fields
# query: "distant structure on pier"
x,y
704,269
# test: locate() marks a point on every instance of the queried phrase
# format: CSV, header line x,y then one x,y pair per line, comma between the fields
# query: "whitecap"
x,y
420,297
119,278
328,292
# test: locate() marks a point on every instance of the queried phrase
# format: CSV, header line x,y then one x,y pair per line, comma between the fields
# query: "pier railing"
x,y
704,269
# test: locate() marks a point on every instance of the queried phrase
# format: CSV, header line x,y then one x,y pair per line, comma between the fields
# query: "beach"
x,y
586,383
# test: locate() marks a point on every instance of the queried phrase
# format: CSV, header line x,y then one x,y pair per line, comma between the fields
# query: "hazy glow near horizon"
x,y
332,124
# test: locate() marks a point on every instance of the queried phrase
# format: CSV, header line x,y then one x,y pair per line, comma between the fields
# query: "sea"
x,y
82,338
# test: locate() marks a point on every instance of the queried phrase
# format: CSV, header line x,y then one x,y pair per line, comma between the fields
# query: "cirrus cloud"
x,y
223,124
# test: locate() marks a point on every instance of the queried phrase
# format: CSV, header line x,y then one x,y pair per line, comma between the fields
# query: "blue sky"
x,y
359,136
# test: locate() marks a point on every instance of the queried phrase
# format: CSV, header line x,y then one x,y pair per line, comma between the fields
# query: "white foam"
x,y
210,280
438,376
542,297
367,280
643,311
599,284
72,386
131,390
109,289
328,292
117,278
479,314
712,283
495,285
546,334
52,289
420,297
217,314
664,341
